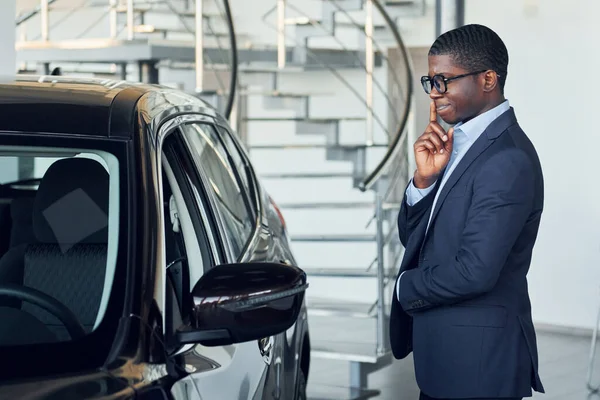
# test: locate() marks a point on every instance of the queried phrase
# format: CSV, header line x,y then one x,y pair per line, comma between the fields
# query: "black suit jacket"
x,y
464,308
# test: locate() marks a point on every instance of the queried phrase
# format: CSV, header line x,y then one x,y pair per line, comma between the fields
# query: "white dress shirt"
x,y
465,134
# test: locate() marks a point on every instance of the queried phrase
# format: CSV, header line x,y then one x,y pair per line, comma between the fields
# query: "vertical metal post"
x,y
358,375
148,73
199,46
281,33
449,14
411,137
460,13
113,17
233,117
44,19
592,356
380,270
129,19
369,64
438,18
123,72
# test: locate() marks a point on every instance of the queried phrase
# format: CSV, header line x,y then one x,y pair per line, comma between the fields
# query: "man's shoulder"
x,y
511,148
514,137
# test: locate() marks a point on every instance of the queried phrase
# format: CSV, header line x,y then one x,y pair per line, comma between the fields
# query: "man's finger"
x,y
437,128
432,112
434,138
424,144
449,143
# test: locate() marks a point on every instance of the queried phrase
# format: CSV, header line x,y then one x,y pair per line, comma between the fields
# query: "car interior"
x,y
54,242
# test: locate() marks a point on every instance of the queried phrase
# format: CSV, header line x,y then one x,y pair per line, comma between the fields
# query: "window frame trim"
x,y
252,237
165,129
249,170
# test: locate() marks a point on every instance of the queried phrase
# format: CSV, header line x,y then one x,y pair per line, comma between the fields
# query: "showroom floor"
x,y
563,369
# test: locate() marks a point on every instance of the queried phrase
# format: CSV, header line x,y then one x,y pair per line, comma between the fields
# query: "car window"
x,y
223,183
59,233
239,161
190,244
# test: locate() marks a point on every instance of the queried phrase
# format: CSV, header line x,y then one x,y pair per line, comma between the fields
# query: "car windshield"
x,y
59,212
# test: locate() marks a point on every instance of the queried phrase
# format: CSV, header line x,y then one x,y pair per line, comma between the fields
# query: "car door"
x,y
195,172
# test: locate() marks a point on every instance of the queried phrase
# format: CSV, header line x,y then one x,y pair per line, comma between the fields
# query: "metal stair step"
x,y
153,9
302,21
327,392
316,146
153,29
320,307
400,3
333,238
308,175
349,351
264,69
302,119
338,205
290,68
279,93
345,272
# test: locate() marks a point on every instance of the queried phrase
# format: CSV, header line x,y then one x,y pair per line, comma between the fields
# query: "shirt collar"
x,y
475,127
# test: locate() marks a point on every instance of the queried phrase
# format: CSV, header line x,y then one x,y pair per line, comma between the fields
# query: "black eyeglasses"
x,y
441,83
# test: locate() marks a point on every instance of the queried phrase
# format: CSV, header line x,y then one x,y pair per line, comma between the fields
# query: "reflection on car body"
x,y
139,254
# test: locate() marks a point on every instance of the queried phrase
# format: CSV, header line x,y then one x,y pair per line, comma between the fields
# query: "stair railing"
x,y
112,7
391,173
283,38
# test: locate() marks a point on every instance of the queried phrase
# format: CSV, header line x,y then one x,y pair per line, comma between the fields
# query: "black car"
x,y
139,255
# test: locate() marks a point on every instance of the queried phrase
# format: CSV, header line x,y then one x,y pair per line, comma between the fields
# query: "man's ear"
x,y
490,81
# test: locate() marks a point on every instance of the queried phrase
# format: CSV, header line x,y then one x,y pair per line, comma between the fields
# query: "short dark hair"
x,y
474,47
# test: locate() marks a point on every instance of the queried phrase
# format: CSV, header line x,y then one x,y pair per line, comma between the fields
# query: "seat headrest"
x,y
71,205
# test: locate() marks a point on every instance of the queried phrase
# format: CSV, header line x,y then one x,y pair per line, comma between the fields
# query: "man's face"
x,y
463,98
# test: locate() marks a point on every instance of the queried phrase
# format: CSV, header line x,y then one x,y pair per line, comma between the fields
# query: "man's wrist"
x,y
421,182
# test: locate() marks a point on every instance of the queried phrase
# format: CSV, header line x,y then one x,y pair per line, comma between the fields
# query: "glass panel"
x,y
210,156
58,237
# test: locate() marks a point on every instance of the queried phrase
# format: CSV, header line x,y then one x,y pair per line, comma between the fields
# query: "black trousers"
x,y
423,396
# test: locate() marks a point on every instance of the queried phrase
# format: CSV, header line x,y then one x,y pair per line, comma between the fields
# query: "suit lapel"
x,y
491,133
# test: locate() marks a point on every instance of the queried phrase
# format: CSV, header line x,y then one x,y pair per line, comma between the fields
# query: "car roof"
x,y
78,106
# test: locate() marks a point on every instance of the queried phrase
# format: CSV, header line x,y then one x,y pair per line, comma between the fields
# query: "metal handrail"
x,y
30,14
43,10
331,69
374,176
233,82
401,121
360,61
357,25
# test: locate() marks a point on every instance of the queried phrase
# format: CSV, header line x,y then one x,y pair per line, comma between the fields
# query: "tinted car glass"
x,y
223,182
238,160
59,233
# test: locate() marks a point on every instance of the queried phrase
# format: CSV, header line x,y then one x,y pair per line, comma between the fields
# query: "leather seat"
x,y
68,260
5,228
21,215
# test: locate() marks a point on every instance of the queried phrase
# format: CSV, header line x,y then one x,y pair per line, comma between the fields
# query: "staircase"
x,y
327,131
321,93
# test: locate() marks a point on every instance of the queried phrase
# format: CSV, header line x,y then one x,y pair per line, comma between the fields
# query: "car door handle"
x,y
265,346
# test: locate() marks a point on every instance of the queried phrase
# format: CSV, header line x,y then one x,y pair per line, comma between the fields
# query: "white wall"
x,y
553,50
7,33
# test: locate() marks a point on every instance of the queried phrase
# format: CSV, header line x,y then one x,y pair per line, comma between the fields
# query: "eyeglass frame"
x,y
431,80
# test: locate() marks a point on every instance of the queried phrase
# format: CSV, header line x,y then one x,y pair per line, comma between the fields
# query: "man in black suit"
x,y
468,222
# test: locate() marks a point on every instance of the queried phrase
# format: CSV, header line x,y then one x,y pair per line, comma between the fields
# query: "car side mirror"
x,y
236,303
